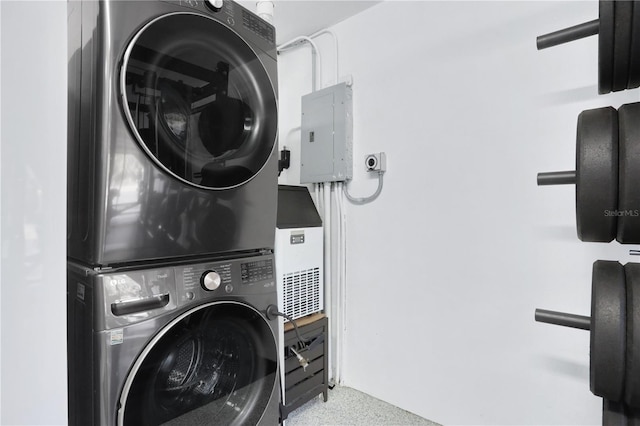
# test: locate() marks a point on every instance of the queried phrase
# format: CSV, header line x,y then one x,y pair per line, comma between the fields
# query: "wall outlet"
x,y
376,162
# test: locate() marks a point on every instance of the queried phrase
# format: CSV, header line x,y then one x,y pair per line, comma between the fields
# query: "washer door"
x,y
199,101
213,365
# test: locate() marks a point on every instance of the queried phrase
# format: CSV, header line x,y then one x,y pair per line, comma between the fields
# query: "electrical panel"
x,y
326,153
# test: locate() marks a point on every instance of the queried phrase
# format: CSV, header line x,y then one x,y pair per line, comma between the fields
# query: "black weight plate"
x,y
629,174
613,413
605,46
597,174
632,383
621,44
608,330
634,50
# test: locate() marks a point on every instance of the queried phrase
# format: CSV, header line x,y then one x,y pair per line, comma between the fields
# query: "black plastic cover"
x,y
296,208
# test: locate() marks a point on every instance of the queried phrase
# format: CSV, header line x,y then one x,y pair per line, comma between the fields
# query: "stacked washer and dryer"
x,y
172,193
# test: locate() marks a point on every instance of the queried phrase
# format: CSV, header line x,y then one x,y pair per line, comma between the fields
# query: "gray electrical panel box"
x,y
327,133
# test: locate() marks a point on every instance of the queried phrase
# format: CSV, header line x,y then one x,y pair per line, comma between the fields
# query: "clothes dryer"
x,y
183,344
172,129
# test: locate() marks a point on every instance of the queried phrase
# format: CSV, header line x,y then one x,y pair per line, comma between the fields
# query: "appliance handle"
x,y
140,305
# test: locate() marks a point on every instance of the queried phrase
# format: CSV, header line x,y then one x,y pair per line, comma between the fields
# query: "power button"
x,y
228,288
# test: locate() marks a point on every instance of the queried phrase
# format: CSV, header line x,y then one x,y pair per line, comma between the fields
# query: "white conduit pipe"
x,y
335,46
341,300
328,291
337,286
265,10
315,51
343,273
365,200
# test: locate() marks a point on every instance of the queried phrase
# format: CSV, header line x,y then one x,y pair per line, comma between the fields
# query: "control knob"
x,y
210,280
214,5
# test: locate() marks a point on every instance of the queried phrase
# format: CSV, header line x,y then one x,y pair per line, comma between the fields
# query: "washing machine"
x,y
172,128
182,344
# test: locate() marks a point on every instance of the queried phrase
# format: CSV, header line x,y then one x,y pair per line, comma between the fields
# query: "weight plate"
x,y
613,413
605,46
628,211
621,44
608,330
632,383
634,55
597,174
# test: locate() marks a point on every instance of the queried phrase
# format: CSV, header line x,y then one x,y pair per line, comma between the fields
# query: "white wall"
x,y
33,201
446,268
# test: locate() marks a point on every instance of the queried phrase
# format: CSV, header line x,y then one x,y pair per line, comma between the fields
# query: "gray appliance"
x,y
182,344
172,129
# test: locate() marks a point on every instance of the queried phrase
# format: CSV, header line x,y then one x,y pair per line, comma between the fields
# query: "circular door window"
x,y
199,101
214,365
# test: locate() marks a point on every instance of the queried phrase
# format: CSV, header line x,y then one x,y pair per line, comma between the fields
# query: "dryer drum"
x,y
198,99
224,125
209,368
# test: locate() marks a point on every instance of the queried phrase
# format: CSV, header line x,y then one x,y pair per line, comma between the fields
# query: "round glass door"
x,y
215,365
199,101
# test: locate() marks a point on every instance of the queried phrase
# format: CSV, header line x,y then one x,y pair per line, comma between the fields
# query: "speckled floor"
x,y
348,406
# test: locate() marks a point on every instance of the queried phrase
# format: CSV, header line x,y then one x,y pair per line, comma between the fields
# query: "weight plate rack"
x,y
607,194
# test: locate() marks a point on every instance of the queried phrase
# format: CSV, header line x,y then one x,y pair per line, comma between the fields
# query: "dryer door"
x,y
199,100
215,364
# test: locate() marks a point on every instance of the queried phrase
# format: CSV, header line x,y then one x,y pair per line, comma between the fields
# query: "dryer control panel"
x,y
232,14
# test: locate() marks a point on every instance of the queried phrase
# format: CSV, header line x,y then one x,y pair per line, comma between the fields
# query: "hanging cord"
x,y
272,313
365,200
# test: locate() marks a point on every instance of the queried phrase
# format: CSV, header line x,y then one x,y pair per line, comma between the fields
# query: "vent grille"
x,y
301,293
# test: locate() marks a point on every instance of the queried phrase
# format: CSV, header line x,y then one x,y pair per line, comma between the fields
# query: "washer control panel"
x,y
206,277
236,277
128,296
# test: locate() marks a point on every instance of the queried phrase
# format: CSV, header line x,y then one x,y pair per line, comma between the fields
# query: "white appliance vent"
x,y
302,293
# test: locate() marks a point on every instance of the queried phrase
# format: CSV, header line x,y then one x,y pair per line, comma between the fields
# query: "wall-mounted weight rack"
x,y
607,180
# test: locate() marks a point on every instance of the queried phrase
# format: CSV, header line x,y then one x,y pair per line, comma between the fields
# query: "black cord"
x,y
285,160
272,313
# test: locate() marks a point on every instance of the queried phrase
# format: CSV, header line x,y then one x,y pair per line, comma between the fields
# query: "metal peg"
x,y
566,320
568,34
